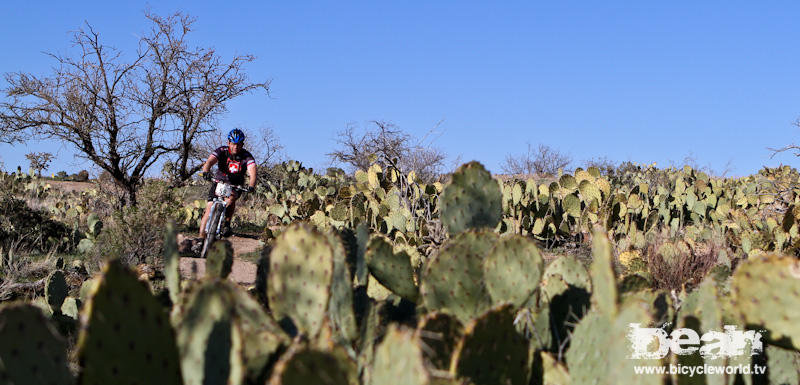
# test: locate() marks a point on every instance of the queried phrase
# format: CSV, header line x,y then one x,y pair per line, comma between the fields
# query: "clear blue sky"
x,y
640,81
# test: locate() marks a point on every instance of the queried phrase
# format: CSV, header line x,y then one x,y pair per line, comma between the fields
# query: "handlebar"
x,y
235,187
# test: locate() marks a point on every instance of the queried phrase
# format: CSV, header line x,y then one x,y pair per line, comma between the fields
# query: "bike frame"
x,y
216,216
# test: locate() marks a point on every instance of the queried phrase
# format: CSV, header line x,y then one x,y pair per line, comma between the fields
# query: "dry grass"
x,y
686,269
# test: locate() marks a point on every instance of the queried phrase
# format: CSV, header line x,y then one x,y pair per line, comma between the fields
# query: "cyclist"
x,y
234,161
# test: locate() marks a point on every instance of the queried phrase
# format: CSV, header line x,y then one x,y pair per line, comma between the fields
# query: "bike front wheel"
x,y
211,229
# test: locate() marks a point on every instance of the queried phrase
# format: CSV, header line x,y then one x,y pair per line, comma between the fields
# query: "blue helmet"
x,y
236,136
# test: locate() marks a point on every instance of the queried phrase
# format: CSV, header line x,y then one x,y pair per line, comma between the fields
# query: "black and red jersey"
x,y
232,168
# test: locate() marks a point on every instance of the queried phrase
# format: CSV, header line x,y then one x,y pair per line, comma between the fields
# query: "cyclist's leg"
x,y
205,219
209,203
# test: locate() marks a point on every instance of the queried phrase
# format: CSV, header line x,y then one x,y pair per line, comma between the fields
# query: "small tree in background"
x,y
39,161
386,144
541,161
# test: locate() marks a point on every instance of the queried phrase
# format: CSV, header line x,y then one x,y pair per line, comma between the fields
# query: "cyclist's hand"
x,y
206,176
249,189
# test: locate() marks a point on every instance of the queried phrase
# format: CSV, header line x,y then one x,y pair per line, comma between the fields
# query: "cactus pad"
x,y
452,280
513,269
398,360
172,262
472,199
491,351
439,333
209,342
300,277
604,284
56,290
126,337
392,270
302,366
219,260
767,292
31,351
599,351
340,309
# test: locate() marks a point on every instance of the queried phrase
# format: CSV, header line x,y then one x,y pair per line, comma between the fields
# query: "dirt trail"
x,y
242,272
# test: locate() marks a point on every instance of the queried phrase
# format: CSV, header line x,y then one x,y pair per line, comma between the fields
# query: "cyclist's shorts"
x,y
212,192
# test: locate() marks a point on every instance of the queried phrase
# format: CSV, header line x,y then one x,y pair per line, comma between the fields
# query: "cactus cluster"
x,y
361,284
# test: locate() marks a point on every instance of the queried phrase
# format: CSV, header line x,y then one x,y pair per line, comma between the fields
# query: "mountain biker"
x,y
233,161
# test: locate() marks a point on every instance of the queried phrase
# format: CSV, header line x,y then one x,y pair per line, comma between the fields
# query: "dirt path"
x,y
242,272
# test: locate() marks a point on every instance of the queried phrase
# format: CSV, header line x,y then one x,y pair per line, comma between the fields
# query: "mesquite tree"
x,y
126,112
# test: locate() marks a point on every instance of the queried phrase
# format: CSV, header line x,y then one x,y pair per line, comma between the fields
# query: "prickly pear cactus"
x,y
766,292
564,270
172,262
126,336
439,332
600,345
398,360
471,200
548,371
302,366
604,283
300,277
491,351
219,260
262,335
31,352
392,270
512,270
453,279
783,366
209,341
340,308
56,290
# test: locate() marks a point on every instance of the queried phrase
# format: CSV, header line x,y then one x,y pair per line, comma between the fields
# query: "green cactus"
x,y
439,332
56,291
604,284
172,262
398,360
302,366
599,351
453,282
32,351
340,308
219,260
513,270
766,290
700,311
491,351
300,277
209,340
548,371
127,337
783,366
472,199
392,270
564,270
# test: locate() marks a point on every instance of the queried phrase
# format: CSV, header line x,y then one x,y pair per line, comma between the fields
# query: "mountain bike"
x,y
216,217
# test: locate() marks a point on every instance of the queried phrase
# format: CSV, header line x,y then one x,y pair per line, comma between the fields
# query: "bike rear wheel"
x,y
212,226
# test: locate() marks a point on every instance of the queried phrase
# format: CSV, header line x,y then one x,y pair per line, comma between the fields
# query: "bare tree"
x,y
39,161
541,161
125,115
386,144
266,147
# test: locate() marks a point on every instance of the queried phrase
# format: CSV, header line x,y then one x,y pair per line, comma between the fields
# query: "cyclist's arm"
x,y
251,172
212,160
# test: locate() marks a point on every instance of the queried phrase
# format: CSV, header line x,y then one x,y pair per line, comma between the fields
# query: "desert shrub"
x,y
135,234
82,176
675,265
24,228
